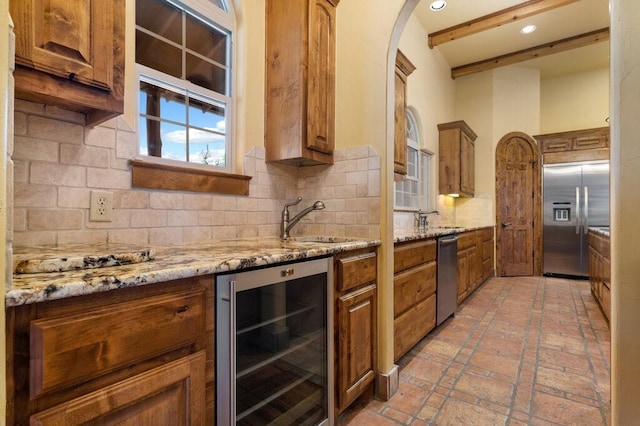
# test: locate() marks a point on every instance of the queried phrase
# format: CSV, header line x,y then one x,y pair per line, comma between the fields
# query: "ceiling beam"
x,y
558,46
496,19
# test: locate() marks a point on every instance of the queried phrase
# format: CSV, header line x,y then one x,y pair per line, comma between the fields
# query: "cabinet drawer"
x,y
412,286
71,349
413,325
591,142
556,145
466,240
171,394
356,270
408,255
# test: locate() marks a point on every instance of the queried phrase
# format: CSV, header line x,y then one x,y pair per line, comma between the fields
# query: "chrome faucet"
x,y
286,224
421,219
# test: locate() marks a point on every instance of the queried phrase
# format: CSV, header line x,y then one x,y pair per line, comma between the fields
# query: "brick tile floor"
x,y
519,351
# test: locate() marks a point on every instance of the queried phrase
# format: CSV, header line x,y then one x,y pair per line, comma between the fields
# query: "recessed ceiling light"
x,y
528,29
437,5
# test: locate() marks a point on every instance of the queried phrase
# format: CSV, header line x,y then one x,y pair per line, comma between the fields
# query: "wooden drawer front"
x,y
357,270
486,234
413,325
412,286
408,255
556,145
591,142
71,349
466,240
170,394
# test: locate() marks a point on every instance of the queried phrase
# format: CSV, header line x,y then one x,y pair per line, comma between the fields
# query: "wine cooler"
x,y
274,345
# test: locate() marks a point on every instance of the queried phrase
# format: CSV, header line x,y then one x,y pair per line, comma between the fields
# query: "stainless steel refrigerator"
x,y
575,197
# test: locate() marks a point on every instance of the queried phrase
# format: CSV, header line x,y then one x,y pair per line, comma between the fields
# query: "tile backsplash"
x,y
58,161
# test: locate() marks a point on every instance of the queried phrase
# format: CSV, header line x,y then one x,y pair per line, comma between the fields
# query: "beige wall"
x,y
576,101
625,205
430,91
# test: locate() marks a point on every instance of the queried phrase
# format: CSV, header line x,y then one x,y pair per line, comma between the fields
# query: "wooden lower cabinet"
x,y
173,394
600,271
142,355
414,288
355,325
475,260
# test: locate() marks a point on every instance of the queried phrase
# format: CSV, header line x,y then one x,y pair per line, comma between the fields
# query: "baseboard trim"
x,y
387,383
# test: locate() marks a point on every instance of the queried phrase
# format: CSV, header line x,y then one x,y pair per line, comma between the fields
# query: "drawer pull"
x,y
182,309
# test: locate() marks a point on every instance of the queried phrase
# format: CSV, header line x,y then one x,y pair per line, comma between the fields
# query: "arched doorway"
x,y
518,249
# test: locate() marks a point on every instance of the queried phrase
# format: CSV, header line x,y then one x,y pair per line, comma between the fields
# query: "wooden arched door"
x,y
518,250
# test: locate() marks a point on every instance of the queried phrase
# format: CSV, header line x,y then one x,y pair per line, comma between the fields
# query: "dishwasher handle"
x,y
447,240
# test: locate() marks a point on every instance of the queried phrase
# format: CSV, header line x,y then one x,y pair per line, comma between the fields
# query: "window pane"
x,y
158,55
163,103
174,141
206,40
206,147
206,74
161,18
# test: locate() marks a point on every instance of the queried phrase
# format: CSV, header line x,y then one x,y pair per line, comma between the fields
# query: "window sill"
x,y
147,174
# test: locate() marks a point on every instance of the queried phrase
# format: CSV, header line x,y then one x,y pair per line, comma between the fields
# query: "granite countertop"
x,y
601,230
158,264
412,234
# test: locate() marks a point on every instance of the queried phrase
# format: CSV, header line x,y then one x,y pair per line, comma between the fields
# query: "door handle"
x,y
578,218
504,225
585,225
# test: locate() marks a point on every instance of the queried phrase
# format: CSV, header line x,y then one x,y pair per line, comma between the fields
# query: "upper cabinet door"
x,y
456,164
404,68
300,81
67,38
322,47
70,53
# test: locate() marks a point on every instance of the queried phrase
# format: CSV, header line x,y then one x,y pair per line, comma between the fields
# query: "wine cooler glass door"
x,y
274,345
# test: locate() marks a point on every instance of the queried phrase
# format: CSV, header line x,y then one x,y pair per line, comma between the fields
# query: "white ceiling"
x,y
580,17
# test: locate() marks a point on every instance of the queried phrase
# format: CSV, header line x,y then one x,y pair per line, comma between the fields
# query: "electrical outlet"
x,y
101,208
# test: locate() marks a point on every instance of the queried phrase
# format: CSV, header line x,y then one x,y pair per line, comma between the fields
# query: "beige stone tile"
x,y
54,219
26,148
37,196
54,130
166,200
108,178
82,155
56,174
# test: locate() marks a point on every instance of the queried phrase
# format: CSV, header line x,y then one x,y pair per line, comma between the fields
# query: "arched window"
x,y
183,57
413,192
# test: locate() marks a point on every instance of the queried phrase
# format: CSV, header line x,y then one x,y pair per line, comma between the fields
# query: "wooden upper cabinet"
x,y
70,53
578,145
300,81
404,68
456,159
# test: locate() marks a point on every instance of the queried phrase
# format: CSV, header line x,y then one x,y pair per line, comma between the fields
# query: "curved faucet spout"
x,y
286,224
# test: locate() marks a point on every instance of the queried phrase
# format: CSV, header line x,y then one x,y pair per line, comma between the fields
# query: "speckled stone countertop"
x,y
412,234
602,230
170,263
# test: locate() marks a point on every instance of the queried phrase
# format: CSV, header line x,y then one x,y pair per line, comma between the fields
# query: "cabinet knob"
x,y
504,225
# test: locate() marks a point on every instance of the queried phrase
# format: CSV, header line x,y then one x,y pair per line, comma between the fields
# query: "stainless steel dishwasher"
x,y
446,287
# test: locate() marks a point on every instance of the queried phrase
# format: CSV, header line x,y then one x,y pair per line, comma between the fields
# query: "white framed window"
x,y
413,192
183,60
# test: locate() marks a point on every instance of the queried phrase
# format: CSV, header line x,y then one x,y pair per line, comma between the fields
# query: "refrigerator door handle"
x,y
578,219
585,225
